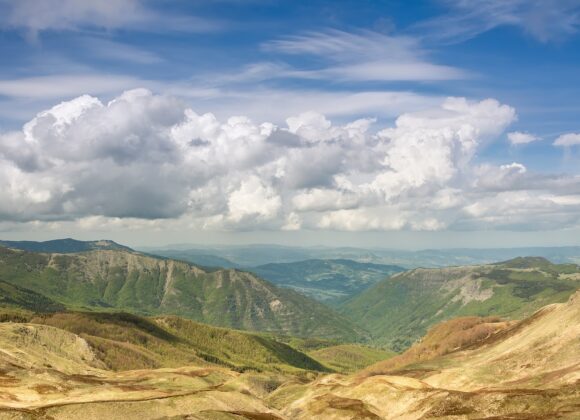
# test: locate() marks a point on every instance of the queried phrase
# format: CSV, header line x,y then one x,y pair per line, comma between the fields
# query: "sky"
x,y
437,123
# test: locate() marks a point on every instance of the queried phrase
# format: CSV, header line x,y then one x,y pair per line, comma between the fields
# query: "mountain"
x,y
254,255
112,280
64,246
76,365
12,296
122,341
121,366
328,281
525,370
399,310
238,256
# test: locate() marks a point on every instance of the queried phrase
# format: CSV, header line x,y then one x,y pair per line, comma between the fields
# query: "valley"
x,y
114,333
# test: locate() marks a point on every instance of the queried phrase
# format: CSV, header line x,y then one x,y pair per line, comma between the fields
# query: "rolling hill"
x,y
120,366
526,370
121,280
16,297
399,310
329,281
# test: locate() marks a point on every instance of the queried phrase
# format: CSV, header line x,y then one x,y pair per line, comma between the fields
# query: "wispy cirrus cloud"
x,y
36,16
361,56
544,20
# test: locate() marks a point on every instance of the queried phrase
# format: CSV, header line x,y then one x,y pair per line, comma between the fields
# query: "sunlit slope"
x,y
399,310
346,358
527,369
468,368
48,373
111,279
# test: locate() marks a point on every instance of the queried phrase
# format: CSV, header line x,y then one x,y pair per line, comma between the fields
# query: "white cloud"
x,y
253,199
544,20
569,139
142,157
42,15
518,137
363,56
66,85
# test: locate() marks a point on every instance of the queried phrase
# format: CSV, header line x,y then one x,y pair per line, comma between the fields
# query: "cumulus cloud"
x,y
518,137
142,158
569,139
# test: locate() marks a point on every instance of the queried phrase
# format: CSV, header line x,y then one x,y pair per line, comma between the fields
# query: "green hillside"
x,y
329,281
349,358
399,310
12,296
124,341
119,280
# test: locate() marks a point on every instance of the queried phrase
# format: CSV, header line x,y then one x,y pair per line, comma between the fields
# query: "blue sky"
x,y
272,60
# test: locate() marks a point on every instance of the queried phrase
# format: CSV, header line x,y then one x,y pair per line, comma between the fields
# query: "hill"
x,y
399,310
529,369
348,358
486,368
329,281
122,341
48,372
120,280
12,296
64,246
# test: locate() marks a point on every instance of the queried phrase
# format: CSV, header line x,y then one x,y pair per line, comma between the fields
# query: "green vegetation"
x,y
398,311
329,281
111,280
124,341
13,296
347,358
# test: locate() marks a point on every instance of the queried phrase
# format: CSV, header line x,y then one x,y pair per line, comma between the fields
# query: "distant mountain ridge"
x,y
123,280
255,255
65,246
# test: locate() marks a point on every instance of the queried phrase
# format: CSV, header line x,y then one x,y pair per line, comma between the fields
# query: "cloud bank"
x,y
144,157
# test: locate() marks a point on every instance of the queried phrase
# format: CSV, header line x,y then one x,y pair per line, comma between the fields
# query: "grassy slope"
x,y
528,369
399,310
441,339
347,358
123,341
17,297
110,280
329,281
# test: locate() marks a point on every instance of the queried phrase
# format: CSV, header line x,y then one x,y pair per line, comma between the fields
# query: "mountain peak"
x,y
65,246
526,262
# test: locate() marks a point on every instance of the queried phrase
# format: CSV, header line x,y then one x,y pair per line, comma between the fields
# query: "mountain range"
x,y
248,256
125,280
115,366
